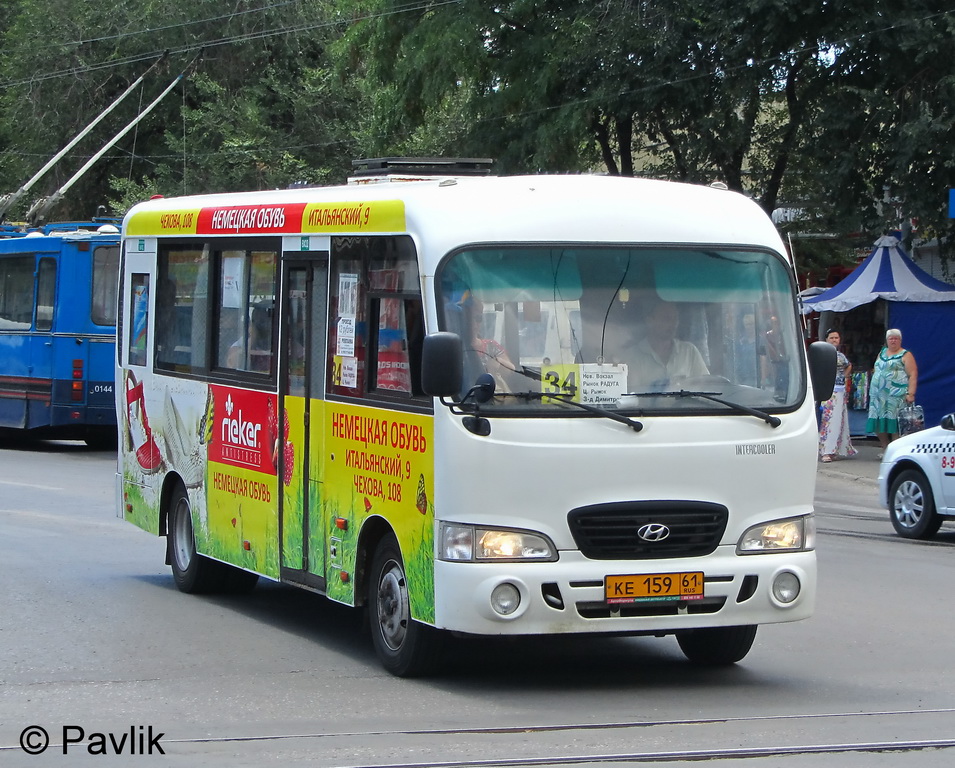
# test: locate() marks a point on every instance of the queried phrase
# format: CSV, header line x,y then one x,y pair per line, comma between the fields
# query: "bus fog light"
x,y
505,599
786,587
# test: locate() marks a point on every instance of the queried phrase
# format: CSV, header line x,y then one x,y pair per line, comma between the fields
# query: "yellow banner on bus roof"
x,y
277,218
146,223
376,216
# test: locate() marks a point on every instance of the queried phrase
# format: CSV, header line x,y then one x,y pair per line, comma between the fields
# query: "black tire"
x,y
192,572
406,648
912,506
717,646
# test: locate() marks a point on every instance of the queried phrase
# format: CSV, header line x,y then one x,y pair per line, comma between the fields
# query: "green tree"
x,y
795,104
260,108
885,143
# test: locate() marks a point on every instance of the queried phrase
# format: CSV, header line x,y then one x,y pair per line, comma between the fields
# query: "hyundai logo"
x,y
653,532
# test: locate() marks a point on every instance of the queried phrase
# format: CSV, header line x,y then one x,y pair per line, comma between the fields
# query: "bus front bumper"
x,y
567,596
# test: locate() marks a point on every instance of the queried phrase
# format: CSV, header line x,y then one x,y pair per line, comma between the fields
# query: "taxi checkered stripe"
x,y
934,447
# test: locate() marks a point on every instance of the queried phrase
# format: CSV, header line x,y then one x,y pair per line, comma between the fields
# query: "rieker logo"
x,y
237,431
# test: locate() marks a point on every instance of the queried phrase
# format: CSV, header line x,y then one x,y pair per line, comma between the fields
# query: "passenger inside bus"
x,y
775,358
168,329
659,361
257,354
745,351
488,354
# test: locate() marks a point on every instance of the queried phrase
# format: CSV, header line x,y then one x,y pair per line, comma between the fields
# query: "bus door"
x,y
301,394
43,353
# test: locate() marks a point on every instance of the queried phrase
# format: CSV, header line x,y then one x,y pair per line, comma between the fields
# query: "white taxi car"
x,y
917,480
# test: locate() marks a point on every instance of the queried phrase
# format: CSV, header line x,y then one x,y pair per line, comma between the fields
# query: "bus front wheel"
x,y
716,646
405,647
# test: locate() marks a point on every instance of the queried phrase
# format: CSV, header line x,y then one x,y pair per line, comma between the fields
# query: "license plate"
x,y
648,587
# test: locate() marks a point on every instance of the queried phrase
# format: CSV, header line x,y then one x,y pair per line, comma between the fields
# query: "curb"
x,y
851,476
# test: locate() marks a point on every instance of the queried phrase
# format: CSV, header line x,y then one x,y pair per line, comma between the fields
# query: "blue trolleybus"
x,y
58,331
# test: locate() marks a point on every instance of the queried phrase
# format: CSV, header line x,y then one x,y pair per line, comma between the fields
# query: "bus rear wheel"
x,y
192,572
405,647
717,646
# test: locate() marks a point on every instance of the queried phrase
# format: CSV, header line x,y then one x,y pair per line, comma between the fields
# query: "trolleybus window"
x,y
45,294
105,282
16,293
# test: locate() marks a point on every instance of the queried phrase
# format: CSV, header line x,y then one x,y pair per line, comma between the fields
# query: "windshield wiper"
x,y
773,421
636,426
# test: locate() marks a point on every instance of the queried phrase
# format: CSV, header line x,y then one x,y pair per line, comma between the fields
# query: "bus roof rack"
x,y
423,166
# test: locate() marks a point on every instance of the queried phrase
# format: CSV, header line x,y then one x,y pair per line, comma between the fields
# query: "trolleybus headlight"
x,y
466,542
792,534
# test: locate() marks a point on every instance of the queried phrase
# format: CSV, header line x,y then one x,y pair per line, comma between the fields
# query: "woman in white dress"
x,y
834,441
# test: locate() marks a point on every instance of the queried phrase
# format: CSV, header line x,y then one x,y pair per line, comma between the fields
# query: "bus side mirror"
x,y
442,364
822,369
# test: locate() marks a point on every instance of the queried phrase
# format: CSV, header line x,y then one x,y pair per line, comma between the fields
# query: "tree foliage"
x,y
817,106
259,107
843,111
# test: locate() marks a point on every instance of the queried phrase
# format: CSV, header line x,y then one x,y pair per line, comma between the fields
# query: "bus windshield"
x,y
630,329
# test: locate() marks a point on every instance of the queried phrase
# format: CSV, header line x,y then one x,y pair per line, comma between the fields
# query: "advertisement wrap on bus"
x,y
478,405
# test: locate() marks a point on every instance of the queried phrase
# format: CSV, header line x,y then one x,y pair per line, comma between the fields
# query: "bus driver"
x,y
660,361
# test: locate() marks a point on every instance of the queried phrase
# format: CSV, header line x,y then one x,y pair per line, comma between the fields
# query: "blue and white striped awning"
x,y
886,273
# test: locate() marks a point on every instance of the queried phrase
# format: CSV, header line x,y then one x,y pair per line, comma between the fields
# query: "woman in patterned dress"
x,y
894,381
834,441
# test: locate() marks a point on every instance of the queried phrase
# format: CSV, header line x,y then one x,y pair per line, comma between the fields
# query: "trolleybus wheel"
x,y
405,647
717,646
912,506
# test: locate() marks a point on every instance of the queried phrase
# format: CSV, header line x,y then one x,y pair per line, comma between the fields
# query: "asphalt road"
x,y
99,649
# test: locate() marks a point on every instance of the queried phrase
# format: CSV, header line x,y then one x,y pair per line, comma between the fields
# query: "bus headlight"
x,y
470,543
792,534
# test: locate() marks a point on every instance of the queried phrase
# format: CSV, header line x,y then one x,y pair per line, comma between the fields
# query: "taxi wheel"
x,y
716,646
405,647
912,506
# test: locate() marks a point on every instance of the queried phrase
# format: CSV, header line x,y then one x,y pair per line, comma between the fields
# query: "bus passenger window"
x,y
252,350
139,322
375,325
245,312
181,304
400,337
